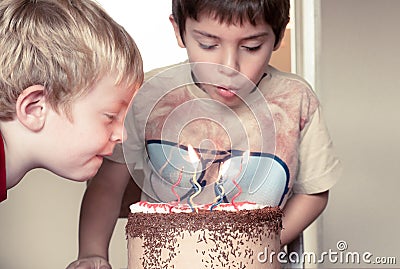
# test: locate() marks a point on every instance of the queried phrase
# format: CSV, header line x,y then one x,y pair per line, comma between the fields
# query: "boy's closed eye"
x,y
248,48
110,116
252,48
206,46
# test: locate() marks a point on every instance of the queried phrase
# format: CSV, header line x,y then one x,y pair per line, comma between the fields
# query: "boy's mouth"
x,y
225,92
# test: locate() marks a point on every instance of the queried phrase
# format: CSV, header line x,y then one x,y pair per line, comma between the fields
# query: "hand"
x,y
90,263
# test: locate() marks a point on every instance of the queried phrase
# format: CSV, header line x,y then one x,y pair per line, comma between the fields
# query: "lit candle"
x,y
245,158
194,159
176,184
218,184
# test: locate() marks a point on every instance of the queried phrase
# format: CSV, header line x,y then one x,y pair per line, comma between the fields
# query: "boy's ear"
x,y
177,32
31,107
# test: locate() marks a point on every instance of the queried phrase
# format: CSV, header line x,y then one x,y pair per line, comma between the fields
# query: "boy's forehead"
x,y
236,18
232,19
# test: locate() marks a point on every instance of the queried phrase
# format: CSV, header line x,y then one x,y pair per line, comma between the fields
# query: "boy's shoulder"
x,y
168,71
286,77
280,83
290,92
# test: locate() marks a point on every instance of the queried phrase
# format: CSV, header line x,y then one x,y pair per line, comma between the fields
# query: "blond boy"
x,y
67,74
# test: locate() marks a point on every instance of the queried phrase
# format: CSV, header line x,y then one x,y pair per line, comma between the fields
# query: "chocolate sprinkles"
x,y
226,234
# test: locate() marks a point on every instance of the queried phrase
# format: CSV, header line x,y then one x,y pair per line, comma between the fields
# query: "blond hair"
x,y
64,45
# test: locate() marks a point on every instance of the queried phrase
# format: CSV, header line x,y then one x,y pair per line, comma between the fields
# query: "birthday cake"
x,y
240,235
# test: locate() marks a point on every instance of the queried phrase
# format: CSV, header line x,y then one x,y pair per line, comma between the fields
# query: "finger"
x,y
73,265
104,265
85,265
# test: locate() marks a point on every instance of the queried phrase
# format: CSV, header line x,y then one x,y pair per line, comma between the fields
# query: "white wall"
x,y
360,91
148,23
39,222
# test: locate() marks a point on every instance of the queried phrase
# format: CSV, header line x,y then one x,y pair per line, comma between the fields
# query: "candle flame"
x,y
194,159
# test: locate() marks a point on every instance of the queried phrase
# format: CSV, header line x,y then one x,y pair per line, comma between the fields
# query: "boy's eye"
x,y
204,46
111,117
248,48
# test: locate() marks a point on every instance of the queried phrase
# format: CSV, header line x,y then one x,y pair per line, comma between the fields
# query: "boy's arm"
x,y
100,209
299,212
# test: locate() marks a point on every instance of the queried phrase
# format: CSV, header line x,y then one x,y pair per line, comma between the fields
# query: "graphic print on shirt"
x,y
261,177
280,124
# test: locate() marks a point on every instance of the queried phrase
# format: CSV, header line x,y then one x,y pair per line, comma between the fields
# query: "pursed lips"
x,y
226,91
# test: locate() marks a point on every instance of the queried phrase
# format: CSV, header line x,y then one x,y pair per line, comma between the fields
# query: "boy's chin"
x,y
228,100
82,173
234,103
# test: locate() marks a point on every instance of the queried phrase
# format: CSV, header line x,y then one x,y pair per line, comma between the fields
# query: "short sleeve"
x,y
319,167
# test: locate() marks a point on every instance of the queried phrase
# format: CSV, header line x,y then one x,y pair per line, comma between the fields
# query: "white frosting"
x,y
145,207
240,206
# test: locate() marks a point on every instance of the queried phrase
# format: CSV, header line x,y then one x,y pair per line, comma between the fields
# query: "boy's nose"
x,y
229,62
119,134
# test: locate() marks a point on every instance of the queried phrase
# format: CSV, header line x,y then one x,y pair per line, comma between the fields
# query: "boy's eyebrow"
x,y
255,36
205,34
258,35
121,102
124,102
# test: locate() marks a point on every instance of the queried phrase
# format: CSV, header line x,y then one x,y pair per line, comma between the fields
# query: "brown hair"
x,y
66,46
273,12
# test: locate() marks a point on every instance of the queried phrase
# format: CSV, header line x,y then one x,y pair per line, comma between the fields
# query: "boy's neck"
x,y
16,153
